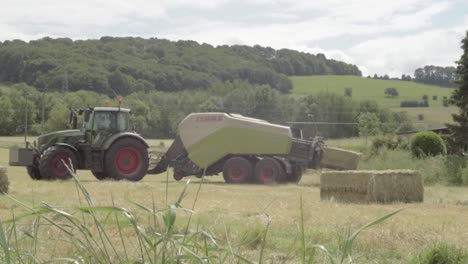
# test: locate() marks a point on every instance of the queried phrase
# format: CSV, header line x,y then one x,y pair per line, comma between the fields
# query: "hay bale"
x,y
372,186
340,159
4,183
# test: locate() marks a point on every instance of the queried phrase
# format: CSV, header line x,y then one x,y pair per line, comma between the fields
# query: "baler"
x,y
244,149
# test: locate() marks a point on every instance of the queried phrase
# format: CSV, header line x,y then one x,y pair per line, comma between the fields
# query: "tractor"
x,y
104,144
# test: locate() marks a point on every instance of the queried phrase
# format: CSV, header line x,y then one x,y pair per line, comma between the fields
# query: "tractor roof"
x,y
111,109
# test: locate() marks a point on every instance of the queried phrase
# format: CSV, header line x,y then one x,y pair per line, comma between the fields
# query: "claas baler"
x,y
243,149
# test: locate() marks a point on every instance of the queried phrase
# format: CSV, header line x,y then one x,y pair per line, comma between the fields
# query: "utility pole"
x,y
26,119
43,111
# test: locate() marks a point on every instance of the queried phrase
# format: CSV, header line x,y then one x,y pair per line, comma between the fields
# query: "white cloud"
x,y
398,55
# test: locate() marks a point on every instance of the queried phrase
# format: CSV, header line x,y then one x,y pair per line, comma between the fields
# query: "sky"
x,y
391,37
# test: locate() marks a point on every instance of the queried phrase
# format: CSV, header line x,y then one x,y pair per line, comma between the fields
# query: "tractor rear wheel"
x,y
268,171
100,175
126,159
237,170
51,166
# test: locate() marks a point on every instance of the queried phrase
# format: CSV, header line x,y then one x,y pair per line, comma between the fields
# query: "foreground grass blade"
x,y
348,245
4,244
264,240
303,246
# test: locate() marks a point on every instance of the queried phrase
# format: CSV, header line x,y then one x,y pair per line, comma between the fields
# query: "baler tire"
x,y
268,171
51,166
237,170
178,177
34,172
295,176
127,159
100,175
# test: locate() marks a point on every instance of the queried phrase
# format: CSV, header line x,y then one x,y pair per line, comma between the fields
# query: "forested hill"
x,y
124,65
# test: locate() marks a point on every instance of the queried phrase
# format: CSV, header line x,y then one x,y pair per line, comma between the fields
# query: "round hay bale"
x,y
4,183
372,186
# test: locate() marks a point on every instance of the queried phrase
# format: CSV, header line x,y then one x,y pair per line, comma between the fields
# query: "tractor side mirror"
x,y
73,120
86,116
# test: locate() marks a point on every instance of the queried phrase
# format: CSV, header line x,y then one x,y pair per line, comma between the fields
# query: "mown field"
x,y
374,89
240,214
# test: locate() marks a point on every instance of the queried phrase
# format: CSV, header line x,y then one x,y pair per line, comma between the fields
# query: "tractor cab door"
x,y
106,124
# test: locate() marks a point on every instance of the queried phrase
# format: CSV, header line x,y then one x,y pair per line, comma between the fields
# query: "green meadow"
x,y
436,115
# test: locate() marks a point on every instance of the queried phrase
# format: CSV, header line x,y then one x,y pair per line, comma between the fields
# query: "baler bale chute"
x,y
244,149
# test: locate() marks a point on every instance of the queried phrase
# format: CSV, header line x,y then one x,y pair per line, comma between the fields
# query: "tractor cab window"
x,y
104,121
114,121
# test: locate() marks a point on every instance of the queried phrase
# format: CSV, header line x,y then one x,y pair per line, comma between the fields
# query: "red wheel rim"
x,y
236,172
266,172
128,161
58,168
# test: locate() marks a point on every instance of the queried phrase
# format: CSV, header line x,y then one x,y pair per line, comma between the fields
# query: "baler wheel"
x,y
296,175
268,171
127,159
100,175
51,166
178,177
237,170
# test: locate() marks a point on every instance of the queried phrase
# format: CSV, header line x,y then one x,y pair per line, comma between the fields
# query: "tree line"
x,y
429,74
436,75
156,114
121,66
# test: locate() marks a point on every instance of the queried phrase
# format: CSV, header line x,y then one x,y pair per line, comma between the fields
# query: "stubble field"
x,y
240,214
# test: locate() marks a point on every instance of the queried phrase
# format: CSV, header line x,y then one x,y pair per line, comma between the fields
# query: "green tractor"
x,y
104,144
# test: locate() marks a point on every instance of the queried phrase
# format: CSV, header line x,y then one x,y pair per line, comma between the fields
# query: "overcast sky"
x,y
384,37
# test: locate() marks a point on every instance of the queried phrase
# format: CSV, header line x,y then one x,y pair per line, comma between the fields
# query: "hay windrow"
x,y
4,183
372,186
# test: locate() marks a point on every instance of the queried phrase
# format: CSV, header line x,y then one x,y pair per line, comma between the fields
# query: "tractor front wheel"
x,y
51,166
127,159
237,170
34,172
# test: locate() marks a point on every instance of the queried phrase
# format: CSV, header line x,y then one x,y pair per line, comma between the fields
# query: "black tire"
x,y
34,172
237,170
178,177
127,159
51,166
100,175
296,175
269,171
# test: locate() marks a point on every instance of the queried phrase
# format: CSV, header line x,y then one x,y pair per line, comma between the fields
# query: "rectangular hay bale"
x,y
340,159
372,186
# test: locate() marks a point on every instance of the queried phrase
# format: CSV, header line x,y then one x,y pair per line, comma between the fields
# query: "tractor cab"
x,y
99,123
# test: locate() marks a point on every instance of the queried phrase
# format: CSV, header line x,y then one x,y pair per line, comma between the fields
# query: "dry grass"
x,y
235,208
